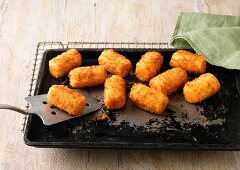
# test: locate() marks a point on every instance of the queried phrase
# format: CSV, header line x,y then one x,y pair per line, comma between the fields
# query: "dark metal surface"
x,y
212,124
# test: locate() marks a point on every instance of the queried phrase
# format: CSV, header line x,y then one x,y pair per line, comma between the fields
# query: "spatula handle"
x,y
14,108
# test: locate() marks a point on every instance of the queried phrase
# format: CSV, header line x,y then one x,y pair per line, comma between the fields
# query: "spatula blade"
x,y
50,115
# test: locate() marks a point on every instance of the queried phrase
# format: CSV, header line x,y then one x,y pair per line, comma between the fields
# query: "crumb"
x,y
194,139
103,116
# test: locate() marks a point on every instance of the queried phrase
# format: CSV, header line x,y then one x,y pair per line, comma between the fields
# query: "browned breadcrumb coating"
x,y
88,76
192,63
148,66
102,117
66,99
201,88
115,63
169,81
114,92
148,99
62,64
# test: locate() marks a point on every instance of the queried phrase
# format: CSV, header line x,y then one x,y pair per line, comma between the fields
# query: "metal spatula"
x,y
48,113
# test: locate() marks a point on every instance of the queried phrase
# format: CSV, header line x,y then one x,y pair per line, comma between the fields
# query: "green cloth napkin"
x,y
216,37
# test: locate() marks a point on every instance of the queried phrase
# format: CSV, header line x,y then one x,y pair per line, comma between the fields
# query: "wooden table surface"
x,y
25,23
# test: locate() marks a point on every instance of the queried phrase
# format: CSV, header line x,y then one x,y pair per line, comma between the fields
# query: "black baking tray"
x,y
210,125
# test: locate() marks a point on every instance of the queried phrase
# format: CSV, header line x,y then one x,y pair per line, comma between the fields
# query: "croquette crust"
x,y
88,76
169,81
115,63
66,99
148,99
192,63
62,64
148,66
201,88
114,92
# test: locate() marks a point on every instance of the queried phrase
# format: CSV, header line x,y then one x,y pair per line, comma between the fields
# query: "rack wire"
x,y
43,46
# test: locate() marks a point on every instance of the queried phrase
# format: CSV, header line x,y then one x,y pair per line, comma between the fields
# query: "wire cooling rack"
x,y
43,46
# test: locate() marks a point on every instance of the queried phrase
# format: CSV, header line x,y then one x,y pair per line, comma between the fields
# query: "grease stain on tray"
x,y
179,121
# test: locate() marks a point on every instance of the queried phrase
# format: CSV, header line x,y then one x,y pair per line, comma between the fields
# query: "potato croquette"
x,y
62,64
115,92
169,81
115,63
192,63
148,66
88,76
66,99
201,88
148,99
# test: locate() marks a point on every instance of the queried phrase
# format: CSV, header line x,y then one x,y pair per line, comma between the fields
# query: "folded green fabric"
x,y
216,37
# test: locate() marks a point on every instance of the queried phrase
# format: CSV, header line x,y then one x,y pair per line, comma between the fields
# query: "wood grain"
x,y
24,23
